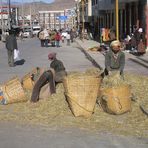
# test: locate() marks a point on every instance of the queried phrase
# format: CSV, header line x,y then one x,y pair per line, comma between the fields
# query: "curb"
x,y
90,58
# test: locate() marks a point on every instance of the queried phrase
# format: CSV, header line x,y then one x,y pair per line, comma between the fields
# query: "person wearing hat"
x,y
140,42
54,75
114,58
11,44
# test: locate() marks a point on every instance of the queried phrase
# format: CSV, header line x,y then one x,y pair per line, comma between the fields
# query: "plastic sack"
x,y
16,55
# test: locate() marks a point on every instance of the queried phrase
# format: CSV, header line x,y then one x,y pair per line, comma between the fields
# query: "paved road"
x,y
20,136
13,135
34,55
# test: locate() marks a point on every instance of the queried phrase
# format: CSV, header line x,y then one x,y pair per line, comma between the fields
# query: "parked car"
x,y
36,30
27,33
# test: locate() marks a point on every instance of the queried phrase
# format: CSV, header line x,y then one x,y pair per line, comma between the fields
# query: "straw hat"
x,y
115,43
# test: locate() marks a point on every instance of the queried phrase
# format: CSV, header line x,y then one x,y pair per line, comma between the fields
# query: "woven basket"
x,y
81,93
116,100
12,91
27,81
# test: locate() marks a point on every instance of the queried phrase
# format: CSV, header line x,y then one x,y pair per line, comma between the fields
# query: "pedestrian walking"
x,y
57,39
11,44
71,35
114,59
41,37
68,39
46,37
52,37
140,42
54,75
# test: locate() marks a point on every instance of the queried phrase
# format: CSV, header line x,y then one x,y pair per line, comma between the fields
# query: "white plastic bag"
x,y
16,55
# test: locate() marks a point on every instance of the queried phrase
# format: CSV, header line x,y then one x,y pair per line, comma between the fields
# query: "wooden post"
x,y
147,26
117,19
2,21
83,19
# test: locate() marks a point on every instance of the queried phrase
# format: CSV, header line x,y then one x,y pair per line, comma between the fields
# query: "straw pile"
x,y
113,80
54,112
91,71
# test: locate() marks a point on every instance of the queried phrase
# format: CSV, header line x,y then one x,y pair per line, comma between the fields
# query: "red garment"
x,y
57,37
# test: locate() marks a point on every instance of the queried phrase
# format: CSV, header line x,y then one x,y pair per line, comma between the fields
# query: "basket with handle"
x,y
81,93
28,80
12,91
116,100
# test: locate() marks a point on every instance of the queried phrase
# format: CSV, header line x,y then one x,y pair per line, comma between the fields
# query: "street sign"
x,y
63,18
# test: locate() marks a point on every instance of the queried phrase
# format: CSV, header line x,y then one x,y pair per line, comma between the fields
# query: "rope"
x,y
115,98
118,101
77,103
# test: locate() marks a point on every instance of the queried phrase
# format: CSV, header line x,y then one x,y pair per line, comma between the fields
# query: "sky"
x,y
47,1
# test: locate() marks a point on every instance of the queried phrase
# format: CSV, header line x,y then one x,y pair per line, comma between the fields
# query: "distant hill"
x,y
39,6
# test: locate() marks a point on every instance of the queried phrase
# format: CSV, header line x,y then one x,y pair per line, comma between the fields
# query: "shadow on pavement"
x,y
138,62
20,62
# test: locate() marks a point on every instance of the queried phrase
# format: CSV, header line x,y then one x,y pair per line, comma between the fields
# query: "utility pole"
x,y
147,26
23,14
2,21
77,13
10,21
34,10
117,19
30,15
31,25
83,19
2,24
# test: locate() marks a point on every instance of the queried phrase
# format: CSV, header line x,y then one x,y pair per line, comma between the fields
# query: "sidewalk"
x,y
134,64
95,57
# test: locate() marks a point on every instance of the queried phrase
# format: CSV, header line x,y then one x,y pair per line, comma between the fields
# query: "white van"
x,y
35,30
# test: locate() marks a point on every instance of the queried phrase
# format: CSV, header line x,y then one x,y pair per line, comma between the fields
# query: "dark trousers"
x,y
46,77
10,57
46,42
68,42
57,43
42,43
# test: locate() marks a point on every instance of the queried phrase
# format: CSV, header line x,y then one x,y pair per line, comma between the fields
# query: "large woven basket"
x,y
12,91
116,100
27,81
81,93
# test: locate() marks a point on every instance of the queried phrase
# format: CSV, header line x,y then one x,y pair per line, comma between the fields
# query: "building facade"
x,y
7,18
63,19
101,14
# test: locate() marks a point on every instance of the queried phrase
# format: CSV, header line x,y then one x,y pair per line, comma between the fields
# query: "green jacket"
x,y
59,68
114,61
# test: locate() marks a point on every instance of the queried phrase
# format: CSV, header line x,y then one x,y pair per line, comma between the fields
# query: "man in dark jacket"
x,y
11,44
54,75
114,58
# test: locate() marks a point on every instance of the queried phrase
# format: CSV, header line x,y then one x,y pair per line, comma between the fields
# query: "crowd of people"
x,y
47,37
135,43
54,37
